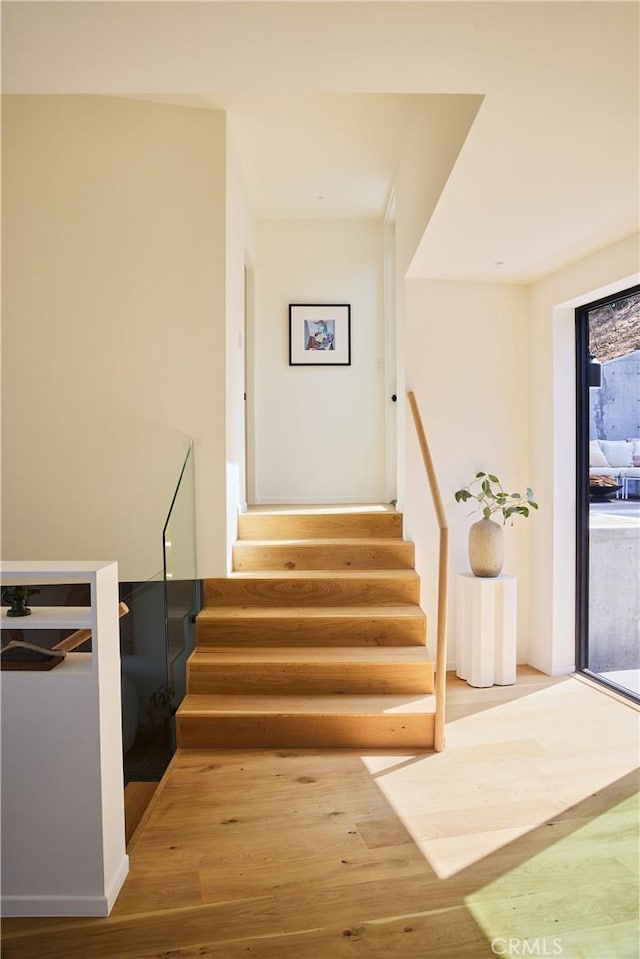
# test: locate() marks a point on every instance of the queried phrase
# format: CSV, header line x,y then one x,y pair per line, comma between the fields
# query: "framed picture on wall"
x,y
319,334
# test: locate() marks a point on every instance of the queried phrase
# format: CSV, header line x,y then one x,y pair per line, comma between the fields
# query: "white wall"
x,y
240,256
437,339
552,304
466,362
319,431
436,134
114,284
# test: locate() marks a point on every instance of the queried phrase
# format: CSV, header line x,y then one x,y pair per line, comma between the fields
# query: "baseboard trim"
x,y
117,882
32,906
556,671
70,905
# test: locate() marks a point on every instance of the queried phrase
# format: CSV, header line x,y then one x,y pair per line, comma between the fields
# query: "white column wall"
x,y
319,431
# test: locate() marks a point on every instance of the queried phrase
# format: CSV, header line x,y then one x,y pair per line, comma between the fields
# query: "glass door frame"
x,y
583,412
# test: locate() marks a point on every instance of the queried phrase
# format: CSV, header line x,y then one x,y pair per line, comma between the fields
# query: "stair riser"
x,y
328,526
398,555
311,592
411,731
294,678
317,632
321,580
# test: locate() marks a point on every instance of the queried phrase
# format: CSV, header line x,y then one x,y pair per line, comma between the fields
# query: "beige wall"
x,y
493,369
466,362
319,431
113,302
436,134
240,260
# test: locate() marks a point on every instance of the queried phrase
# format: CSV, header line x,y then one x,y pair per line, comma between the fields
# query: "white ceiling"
x,y
319,155
321,94
308,156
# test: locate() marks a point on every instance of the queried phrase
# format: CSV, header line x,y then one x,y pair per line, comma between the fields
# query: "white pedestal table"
x,y
486,630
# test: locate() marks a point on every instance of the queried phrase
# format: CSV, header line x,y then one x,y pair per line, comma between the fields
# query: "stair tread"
x,y
410,610
322,509
339,574
360,704
382,541
309,654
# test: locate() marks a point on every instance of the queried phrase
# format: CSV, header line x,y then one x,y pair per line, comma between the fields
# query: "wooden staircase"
x,y
316,639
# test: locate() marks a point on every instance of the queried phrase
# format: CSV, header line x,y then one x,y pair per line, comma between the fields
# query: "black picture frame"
x,y
319,334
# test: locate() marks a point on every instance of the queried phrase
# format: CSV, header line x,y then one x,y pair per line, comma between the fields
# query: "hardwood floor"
x,y
525,827
137,796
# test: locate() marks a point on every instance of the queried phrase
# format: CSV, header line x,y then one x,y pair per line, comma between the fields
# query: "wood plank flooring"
x,y
526,826
137,796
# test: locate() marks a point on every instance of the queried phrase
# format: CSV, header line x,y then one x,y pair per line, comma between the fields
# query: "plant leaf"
x,y
494,479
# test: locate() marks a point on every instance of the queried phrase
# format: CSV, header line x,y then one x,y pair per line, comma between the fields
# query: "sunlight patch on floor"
x,y
595,868
506,770
627,678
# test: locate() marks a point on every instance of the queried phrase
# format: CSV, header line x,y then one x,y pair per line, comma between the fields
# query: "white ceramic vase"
x,y
486,548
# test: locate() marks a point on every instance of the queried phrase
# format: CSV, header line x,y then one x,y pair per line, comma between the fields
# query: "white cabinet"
x,y
63,837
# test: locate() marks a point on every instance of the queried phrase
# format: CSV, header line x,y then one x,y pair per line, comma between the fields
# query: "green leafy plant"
x,y
491,497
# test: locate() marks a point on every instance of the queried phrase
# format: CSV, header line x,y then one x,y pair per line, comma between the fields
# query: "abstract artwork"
x,y
319,334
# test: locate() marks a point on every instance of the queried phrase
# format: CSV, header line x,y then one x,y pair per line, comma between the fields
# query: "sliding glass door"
x,y
608,491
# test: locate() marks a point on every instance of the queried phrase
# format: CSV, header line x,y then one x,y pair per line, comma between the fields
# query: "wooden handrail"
x,y
443,574
82,635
